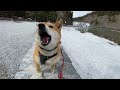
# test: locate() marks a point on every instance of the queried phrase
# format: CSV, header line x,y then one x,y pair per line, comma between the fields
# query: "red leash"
x,y
60,75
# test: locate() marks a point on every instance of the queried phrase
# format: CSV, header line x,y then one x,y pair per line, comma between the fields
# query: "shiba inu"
x,y
47,45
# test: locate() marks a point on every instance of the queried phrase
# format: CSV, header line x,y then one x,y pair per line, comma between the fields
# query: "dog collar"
x,y
48,50
43,58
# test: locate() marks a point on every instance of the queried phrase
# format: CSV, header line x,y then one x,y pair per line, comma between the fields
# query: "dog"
x,y
47,46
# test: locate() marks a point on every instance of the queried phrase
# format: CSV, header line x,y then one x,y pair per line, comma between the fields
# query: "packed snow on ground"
x,y
93,57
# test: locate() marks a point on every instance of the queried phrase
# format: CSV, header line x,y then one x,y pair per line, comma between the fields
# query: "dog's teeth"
x,y
44,43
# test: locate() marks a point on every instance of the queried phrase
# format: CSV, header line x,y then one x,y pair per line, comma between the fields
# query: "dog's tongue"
x,y
45,40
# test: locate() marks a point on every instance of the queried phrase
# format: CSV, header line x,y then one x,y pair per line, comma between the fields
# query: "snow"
x,y
5,24
93,57
81,26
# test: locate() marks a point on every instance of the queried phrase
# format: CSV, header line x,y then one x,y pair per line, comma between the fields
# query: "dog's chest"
x,y
43,58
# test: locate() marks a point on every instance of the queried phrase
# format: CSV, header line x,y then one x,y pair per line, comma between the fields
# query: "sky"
x,y
80,13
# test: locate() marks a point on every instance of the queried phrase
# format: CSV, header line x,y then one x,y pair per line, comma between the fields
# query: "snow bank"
x,y
93,57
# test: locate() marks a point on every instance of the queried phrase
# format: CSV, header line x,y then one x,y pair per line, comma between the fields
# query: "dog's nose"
x,y
41,26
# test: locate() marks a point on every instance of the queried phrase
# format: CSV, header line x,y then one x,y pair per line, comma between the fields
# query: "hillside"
x,y
107,19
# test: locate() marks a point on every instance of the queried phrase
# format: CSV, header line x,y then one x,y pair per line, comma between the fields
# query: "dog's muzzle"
x,y
45,37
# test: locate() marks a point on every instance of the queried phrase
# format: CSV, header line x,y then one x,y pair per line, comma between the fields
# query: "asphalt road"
x,y
16,41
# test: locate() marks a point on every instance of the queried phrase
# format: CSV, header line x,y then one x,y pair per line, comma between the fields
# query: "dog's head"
x,y
49,34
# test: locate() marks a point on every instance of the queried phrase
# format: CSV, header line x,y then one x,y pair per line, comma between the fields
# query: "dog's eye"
x,y
51,26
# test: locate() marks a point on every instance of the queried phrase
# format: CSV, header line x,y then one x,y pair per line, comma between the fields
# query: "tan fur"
x,y
52,61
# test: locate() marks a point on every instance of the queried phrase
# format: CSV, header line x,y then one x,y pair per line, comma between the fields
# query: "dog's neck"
x,y
48,53
49,50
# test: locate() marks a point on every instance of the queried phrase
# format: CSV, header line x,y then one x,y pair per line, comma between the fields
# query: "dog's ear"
x,y
59,23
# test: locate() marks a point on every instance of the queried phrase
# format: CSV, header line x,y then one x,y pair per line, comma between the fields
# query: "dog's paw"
x,y
37,76
52,71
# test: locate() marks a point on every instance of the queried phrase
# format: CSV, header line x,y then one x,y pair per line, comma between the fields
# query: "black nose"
x,y
41,26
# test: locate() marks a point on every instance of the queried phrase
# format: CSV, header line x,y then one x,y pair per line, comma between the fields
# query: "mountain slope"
x,y
107,19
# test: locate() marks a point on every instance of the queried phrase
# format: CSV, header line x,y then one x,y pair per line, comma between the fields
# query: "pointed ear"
x,y
59,23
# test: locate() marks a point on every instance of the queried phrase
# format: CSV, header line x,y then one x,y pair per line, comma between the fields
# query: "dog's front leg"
x,y
53,68
38,73
37,66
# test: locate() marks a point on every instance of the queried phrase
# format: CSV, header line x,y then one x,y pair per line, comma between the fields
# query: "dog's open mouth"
x,y
45,39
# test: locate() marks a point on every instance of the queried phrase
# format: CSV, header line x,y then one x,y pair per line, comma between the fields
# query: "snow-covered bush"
x,y
81,26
